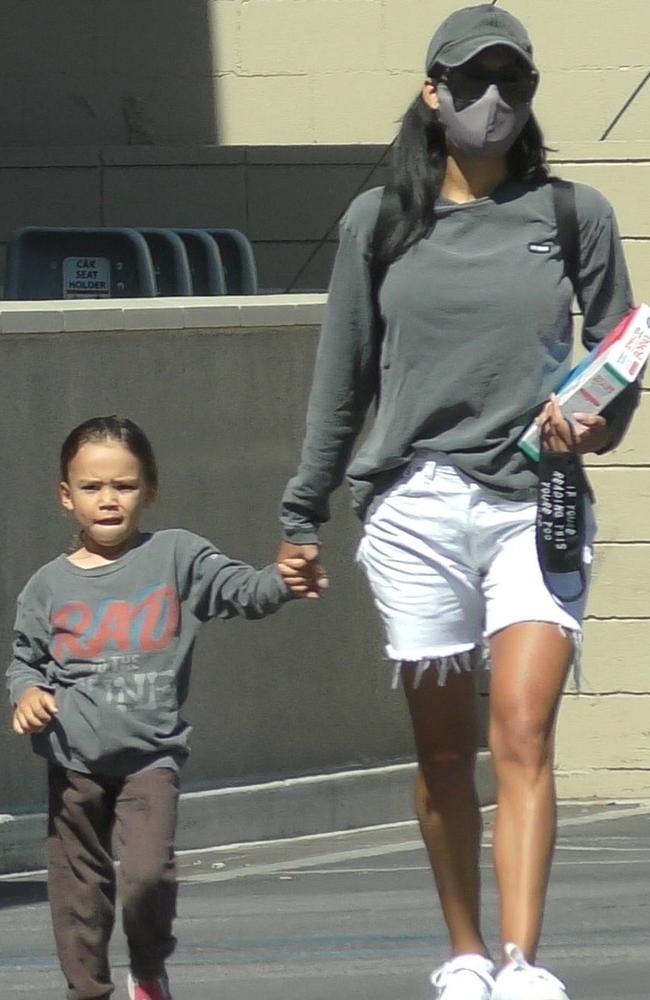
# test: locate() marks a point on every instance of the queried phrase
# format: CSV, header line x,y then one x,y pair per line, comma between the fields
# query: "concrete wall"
x,y
303,692
284,199
221,388
87,74
111,113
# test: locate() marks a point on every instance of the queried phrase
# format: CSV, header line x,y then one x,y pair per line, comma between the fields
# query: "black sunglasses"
x,y
468,85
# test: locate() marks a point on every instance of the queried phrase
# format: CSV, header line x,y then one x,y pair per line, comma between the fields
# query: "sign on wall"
x,y
86,278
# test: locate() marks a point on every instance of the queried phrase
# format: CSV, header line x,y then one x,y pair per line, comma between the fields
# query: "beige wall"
x,y
287,72
604,733
342,71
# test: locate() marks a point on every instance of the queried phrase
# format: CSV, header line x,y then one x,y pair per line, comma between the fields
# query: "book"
x,y
612,365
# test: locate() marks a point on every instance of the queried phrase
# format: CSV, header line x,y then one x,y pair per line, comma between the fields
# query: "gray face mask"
x,y
487,128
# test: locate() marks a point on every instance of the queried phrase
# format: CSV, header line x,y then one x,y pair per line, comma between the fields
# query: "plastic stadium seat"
x,y
238,261
71,263
170,262
206,267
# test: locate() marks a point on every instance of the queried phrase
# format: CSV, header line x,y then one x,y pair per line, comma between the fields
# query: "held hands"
x,y
591,431
34,710
301,570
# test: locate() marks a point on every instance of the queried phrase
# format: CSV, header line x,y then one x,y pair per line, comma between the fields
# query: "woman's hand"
x,y
34,711
301,570
591,430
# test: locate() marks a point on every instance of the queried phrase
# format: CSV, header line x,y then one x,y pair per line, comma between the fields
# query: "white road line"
x,y
316,859
355,871
407,824
609,862
640,809
583,849
290,873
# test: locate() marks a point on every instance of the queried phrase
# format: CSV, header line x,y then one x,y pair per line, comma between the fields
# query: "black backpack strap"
x,y
568,229
389,209
566,217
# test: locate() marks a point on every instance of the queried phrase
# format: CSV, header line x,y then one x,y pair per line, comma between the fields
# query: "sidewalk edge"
x,y
275,810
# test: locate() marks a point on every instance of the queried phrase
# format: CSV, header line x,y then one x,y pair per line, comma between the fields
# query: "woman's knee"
x,y
522,743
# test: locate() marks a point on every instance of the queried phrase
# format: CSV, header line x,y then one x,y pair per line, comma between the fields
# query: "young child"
x,y
100,669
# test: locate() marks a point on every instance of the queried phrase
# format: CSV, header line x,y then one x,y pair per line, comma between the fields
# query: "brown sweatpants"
x,y
139,813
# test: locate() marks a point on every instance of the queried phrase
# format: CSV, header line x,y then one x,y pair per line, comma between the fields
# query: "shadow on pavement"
x,y
22,893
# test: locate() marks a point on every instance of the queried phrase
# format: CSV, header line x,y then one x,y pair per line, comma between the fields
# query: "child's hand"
x,y
34,711
301,569
294,571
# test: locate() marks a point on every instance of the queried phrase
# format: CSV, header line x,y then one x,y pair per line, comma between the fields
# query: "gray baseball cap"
x,y
468,31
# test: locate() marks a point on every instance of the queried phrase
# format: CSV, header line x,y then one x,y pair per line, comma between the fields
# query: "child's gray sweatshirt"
x,y
114,644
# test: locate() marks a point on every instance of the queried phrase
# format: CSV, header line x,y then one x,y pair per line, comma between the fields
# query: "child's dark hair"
x,y
111,428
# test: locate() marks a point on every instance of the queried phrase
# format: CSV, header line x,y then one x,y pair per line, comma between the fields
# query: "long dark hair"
x,y
418,170
111,428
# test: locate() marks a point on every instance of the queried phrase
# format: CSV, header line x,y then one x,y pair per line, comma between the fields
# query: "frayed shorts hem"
x,y
430,652
465,660
468,657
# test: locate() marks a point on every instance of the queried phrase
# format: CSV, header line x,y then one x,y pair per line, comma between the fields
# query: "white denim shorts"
x,y
451,563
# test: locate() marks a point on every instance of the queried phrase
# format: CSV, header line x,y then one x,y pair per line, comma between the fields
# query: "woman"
x,y
464,339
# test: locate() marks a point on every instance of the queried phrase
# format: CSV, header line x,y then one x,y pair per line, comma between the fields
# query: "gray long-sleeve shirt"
x,y
114,644
477,334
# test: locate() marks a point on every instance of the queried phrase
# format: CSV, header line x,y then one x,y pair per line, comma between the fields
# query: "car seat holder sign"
x,y
86,278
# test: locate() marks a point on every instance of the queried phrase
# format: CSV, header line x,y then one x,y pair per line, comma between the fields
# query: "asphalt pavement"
x,y
353,915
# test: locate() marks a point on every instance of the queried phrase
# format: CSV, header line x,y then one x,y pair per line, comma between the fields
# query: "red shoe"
x,y
149,989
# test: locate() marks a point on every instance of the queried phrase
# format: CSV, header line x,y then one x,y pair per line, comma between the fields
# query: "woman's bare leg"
x,y
530,662
445,728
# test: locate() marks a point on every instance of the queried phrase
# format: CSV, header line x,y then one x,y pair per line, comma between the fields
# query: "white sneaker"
x,y
466,977
522,981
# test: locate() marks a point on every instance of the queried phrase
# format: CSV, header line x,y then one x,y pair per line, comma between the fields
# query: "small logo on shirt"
x,y
540,247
